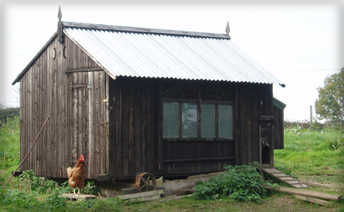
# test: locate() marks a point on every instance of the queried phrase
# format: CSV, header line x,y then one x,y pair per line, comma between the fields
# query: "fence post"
x,y
311,114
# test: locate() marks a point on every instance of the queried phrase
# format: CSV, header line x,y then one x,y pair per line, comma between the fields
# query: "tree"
x,y
330,102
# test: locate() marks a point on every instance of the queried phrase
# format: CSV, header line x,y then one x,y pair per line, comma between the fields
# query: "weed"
x,y
237,182
35,183
90,188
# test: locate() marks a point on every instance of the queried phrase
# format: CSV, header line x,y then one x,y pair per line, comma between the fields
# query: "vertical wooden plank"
x,y
39,114
59,85
30,94
22,120
100,144
44,99
54,159
48,148
90,124
34,117
103,123
138,139
95,124
62,84
107,153
120,133
237,125
69,105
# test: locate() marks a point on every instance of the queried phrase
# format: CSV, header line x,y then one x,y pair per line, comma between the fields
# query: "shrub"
x,y
90,188
35,183
336,143
240,183
15,199
55,202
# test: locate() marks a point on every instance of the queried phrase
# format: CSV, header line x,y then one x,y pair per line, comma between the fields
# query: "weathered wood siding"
x,y
251,101
76,104
184,156
278,128
133,120
136,142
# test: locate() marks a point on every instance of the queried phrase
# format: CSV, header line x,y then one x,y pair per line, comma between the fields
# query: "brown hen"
x,y
76,175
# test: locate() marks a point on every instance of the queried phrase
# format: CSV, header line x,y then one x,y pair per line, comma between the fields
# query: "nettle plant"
x,y
239,183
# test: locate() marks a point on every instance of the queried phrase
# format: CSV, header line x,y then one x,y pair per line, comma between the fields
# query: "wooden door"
x,y
266,140
87,112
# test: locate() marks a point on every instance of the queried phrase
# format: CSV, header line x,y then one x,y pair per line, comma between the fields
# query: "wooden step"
x,y
271,170
292,181
284,177
280,175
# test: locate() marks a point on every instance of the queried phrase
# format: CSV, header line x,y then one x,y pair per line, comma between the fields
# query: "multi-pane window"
x,y
189,120
225,121
171,120
192,120
208,121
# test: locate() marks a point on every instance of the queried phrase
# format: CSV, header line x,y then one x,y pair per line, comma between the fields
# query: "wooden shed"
x,y
169,102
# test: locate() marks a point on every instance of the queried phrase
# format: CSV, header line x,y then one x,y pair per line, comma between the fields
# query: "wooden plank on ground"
x,y
313,200
78,196
143,196
307,193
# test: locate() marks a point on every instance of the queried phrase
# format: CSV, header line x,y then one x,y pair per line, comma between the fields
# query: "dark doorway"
x,y
265,139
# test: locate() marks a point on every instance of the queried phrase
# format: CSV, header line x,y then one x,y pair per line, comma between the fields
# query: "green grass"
x,y
9,144
312,153
307,153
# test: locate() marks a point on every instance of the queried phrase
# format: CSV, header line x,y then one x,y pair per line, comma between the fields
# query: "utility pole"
x,y
311,114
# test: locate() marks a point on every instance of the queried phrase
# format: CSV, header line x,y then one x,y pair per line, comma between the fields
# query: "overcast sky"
x,y
299,44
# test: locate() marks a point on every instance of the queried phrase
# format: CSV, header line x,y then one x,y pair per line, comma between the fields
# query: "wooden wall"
x,y
133,135
278,129
77,110
251,101
136,142
185,157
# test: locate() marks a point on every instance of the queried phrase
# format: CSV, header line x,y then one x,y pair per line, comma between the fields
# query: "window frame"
x,y
199,113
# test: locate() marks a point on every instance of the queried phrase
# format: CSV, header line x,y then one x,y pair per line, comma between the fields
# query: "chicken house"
x,y
173,103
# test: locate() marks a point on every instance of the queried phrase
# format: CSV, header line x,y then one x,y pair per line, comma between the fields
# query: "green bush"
x,y
336,143
17,200
90,188
38,184
240,183
55,202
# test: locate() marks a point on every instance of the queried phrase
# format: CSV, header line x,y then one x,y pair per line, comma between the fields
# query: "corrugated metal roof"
x,y
153,55
156,53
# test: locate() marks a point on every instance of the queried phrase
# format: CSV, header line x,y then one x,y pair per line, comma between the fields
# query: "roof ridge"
x,y
144,30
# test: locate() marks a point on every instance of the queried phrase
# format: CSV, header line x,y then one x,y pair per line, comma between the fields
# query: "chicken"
x,y
76,177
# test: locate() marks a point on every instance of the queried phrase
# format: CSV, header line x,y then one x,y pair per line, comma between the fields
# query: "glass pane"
x,y
208,120
189,120
170,120
225,121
